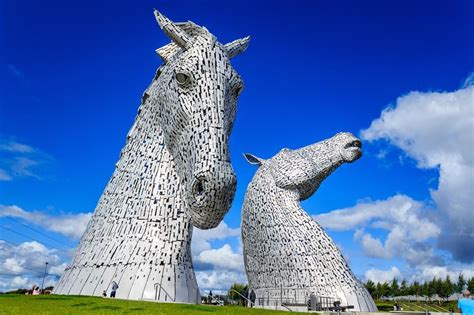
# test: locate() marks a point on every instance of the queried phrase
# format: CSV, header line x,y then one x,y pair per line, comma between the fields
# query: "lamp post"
x,y
44,276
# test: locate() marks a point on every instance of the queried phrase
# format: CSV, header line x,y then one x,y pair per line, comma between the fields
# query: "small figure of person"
x,y
246,294
36,290
466,304
396,307
114,289
253,297
104,294
209,298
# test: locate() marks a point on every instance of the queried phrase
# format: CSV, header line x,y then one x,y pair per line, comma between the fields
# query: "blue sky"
x,y
72,77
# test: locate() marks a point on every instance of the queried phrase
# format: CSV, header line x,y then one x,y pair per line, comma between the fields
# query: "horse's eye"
x,y
182,78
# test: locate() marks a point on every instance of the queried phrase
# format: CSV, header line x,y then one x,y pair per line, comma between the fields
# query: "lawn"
x,y
69,304
422,306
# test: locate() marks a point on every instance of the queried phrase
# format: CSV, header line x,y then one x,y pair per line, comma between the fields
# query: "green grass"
x,y
386,306
70,304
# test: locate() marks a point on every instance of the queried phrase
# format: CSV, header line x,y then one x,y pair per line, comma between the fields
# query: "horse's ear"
x,y
167,51
252,159
237,47
173,31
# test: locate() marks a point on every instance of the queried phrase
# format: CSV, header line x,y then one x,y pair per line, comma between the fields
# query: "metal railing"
x,y
248,300
162,289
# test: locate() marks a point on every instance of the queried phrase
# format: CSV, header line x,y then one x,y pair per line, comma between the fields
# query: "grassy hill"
x,y
69,304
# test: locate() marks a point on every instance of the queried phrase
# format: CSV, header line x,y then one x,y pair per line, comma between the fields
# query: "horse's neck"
x,y
143,199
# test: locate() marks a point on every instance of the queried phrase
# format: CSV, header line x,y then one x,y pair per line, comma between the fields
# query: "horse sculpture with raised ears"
x,y
286,253
173,173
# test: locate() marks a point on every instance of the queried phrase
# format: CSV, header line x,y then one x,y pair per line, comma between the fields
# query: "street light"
x,y
44,276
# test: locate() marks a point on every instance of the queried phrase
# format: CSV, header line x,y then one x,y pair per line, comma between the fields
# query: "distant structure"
x,y
289,259
173,173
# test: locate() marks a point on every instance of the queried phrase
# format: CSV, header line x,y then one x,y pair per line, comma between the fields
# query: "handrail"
x,y
252,303
283,304
161,288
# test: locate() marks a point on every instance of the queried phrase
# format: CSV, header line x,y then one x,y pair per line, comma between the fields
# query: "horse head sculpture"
x,y
286,253
196,109
304,169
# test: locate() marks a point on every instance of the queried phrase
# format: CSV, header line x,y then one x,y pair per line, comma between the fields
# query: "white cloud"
x,y
223,258
20,282
13,146
22,166
437,130
20,160
201,238
409,230
381,276
71,225
23,265
217,268
428,273
372,247
4,176
218,280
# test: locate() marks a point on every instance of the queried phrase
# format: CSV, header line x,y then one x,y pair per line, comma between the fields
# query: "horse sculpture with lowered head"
x,y
286,253
173,173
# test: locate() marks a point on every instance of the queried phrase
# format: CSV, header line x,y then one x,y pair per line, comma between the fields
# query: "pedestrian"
x,y
114,289
246,294
104,294
253,297
466,304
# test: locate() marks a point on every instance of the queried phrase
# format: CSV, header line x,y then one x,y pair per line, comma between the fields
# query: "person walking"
x,y
466,304
114,289
253,297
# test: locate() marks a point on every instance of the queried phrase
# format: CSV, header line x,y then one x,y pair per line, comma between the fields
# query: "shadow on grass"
x,y
105,307
201,308
82,304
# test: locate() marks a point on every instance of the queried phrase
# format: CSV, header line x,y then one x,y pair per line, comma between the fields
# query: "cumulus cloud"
x,y
70,225
202,238
217,280
428,273
217,268
223,258
436,129
409,229
24,264
381,276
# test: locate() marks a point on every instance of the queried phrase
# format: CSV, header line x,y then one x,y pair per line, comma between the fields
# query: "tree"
x,y
404,288
241,289
461,283
438,286
429,288
394,288
447,288
415,288
470,284
370,286
378,290
384,289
